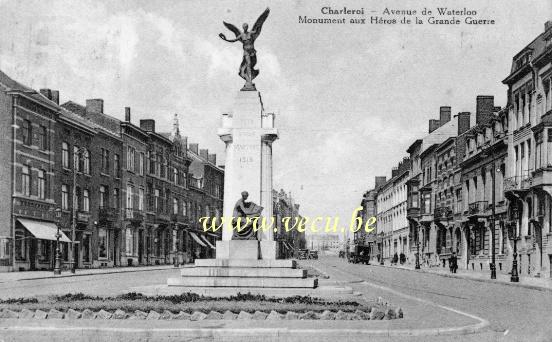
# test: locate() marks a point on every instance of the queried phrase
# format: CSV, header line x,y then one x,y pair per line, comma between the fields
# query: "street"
x,y
513,313
517,314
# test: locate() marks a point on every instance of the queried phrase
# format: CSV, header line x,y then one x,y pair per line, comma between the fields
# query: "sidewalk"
x,y
30,275
542,284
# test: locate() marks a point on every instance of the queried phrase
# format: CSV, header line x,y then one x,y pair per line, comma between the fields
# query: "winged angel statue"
x,y
247,38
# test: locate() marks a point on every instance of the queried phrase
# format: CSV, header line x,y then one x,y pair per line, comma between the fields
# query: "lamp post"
x,y
78,153
417,267
57,264
514,278
493,228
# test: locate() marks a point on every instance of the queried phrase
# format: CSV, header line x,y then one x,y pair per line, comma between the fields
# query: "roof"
x,y
10,85
101,122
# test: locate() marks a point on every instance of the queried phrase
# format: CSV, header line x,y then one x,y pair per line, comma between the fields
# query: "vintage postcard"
x,y
275,170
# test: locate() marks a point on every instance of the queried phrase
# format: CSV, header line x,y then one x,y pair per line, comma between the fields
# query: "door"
x,y
32,254
141,247
116,256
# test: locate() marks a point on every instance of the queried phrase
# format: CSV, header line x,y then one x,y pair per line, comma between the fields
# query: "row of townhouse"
x,y
121,194
479,185
285,208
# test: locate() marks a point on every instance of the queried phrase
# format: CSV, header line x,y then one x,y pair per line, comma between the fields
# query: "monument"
x,y
246,259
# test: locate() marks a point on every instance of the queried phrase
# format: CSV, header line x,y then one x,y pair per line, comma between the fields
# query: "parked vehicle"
x,y
302,254
313,255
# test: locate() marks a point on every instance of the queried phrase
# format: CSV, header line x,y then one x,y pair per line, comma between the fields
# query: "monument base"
x,y
242,265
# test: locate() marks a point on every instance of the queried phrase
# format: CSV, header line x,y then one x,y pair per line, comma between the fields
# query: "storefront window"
x,y
129,242
20,246
102,243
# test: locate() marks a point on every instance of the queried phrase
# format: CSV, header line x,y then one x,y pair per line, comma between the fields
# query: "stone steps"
x,y
257,282
243,272
246,263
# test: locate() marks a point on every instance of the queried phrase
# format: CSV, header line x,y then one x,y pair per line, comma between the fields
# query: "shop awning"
x,y
197,239
286,245
207,241
43,230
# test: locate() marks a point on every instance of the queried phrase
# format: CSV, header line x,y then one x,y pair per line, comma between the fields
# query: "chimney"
x,y
47,93
484,109
148,125
213,159
547,25
463,122
55,96
204,153
194,147
127,114
94,106
444,114
380,180
394,172
433,125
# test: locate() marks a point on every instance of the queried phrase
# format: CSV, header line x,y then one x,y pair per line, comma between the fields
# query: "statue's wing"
x,y
260,21
232,28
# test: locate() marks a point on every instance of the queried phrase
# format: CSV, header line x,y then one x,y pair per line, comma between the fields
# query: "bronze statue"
x,y
242,211
247,38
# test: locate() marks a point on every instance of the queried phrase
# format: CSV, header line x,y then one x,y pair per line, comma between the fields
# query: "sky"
x,y
349,99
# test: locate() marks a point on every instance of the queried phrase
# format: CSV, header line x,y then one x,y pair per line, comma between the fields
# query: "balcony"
x,y
178,218
518,183
107,214
83,217
442,213
134,214
477,208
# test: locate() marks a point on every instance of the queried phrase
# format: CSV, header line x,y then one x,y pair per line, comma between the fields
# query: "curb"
x,y
92,274
499,282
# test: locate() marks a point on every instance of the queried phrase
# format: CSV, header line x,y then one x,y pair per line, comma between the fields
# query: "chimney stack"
x,y
127,114
148,125
484,109
434,124
463,122
204,153
213,159
94,106
380,180
444,114
194,148
55,96
394,172
547,25
47,93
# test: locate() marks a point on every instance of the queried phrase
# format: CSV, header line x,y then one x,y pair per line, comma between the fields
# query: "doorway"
x,y
32,254
141,247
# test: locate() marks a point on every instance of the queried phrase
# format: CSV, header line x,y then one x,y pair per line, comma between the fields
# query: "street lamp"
x,y
57,265
417,267
78,153
514,278
493,228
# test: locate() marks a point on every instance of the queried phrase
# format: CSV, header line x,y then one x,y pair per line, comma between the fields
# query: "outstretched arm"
x,y
223,37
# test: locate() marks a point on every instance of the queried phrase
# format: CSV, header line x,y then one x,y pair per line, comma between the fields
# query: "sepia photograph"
x,y
275,170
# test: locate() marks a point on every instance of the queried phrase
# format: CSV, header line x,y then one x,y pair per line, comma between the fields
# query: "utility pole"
x,y
493,264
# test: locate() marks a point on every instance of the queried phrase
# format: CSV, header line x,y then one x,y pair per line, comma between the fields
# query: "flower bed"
x,y
194,307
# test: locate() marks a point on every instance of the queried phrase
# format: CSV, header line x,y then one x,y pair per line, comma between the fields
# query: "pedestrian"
x,y
454,262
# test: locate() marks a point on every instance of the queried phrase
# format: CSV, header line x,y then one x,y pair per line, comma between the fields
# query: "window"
x,y
76,159
41,184
43,138
26,181
20,246
141,164
129,196
105,161
130,158
85,201
175,206
129,242
116,198
116,166
141,199
175,175
86,248
102,243
86,162
103,199
27,133
64,197
184,211
65,155
156,203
